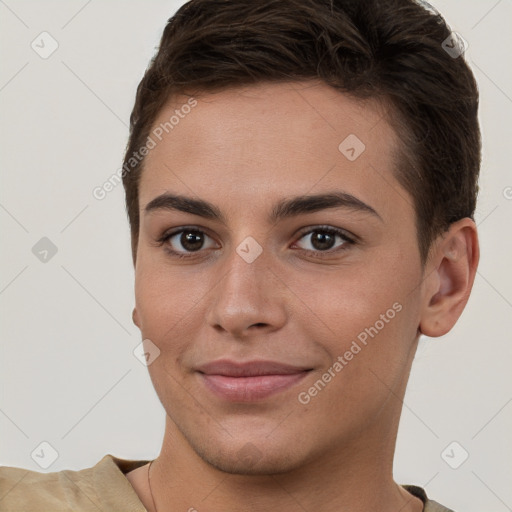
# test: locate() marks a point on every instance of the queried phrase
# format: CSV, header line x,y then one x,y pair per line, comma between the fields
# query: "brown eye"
x,y
186,241
324,239
191,240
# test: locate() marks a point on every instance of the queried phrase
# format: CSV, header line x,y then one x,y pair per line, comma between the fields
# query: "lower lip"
x,y
249,389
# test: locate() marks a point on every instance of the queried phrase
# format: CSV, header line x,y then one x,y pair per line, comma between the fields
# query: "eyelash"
x,y
316,254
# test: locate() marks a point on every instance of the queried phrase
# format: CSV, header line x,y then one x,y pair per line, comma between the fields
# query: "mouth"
x,y
249,381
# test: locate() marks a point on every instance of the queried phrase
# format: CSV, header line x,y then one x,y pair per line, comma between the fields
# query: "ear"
x,y
450,271
135,317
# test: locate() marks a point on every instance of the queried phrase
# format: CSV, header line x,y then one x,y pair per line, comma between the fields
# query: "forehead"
x,y
265,141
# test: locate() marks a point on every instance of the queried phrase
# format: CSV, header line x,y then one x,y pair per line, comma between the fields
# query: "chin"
x,y
251,460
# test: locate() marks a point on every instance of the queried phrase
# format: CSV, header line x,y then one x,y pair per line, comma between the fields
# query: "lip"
x,y
251,380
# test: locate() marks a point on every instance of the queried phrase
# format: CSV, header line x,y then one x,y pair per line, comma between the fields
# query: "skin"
x,y
244,149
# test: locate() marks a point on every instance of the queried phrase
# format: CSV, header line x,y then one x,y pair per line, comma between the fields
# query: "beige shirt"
x,y
100,488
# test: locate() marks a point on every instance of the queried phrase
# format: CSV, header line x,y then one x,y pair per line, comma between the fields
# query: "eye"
x,y
185,241
323,239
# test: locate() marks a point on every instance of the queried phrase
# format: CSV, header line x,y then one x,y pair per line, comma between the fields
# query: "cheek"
x,y
166,300
350,298
370,323
368,315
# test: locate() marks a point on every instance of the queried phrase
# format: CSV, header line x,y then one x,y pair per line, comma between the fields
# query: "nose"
x,y
249,299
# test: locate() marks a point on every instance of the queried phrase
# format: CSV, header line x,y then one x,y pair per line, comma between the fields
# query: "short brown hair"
x,y
391,50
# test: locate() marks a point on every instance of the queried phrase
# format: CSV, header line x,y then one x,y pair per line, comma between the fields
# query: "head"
x,y
245,106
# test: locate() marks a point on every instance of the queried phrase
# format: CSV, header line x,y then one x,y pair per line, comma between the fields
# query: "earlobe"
x,y
451,274
135,317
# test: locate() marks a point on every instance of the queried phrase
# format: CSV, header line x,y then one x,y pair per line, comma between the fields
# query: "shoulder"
x,y
27,490
82,491
429,505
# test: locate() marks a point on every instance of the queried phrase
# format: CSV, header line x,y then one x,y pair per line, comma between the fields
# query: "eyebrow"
x,y
285,208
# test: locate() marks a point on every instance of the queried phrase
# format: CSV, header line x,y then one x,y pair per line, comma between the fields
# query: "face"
x,y
296,246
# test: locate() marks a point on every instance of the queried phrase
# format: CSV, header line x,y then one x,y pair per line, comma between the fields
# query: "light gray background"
x,y
68,374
